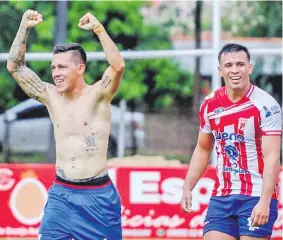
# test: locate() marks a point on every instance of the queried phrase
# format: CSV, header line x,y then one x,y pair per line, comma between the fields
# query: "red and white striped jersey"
x,y
238,129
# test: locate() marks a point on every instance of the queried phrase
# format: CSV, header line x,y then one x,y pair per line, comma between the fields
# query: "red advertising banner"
x,y
150,201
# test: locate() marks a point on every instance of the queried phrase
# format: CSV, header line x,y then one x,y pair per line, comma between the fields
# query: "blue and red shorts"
x,y
231,215
82,211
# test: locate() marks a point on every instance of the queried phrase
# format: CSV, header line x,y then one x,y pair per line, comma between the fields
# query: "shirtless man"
x,y
82,203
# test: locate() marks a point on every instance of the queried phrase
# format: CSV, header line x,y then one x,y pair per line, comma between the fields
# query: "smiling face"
x,y
67,69
235,69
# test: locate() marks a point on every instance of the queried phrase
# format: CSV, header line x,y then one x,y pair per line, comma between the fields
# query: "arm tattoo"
x,y
26,78
106,81
18,49
29,82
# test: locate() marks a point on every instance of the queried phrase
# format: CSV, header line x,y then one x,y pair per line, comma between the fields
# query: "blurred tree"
x,y
179,17
253,18
242,18
40,40
156,82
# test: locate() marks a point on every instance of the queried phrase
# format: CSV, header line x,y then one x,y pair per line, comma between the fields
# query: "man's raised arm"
x,y
25,77
111,78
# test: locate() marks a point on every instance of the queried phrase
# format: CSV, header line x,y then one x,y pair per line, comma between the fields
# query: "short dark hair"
x,y
233,47
61,48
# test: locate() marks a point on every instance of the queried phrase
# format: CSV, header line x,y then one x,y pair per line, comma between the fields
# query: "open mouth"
x,y
235,78
58,81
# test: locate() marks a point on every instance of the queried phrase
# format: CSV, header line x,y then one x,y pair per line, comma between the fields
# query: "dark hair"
x,y
233,47
61,48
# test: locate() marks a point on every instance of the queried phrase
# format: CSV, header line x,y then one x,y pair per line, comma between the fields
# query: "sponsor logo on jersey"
x,y
232,152
229,136
218,111
233,155
275,109
242,124
235,170
267,112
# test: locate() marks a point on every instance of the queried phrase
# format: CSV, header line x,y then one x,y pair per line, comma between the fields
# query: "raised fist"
x,y
90,23
31,18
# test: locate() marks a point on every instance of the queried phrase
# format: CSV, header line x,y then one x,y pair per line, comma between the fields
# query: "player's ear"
x,y
82,68
220,72
250,68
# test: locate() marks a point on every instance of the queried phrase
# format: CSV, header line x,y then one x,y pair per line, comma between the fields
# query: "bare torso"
x,y
81,129
80,113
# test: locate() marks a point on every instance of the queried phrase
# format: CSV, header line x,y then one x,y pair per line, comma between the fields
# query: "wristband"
x,y
99,29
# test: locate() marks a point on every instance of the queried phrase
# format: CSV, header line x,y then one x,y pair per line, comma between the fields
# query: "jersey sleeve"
x,y
203,118
271,118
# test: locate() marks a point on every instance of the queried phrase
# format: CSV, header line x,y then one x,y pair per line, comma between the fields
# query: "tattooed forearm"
x,y
26,78
106,81
15,56
18,49
29,82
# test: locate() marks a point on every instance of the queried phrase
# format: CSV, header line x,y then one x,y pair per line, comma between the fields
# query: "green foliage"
x,y
243,18
143,80
157,82
253,18
6,88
